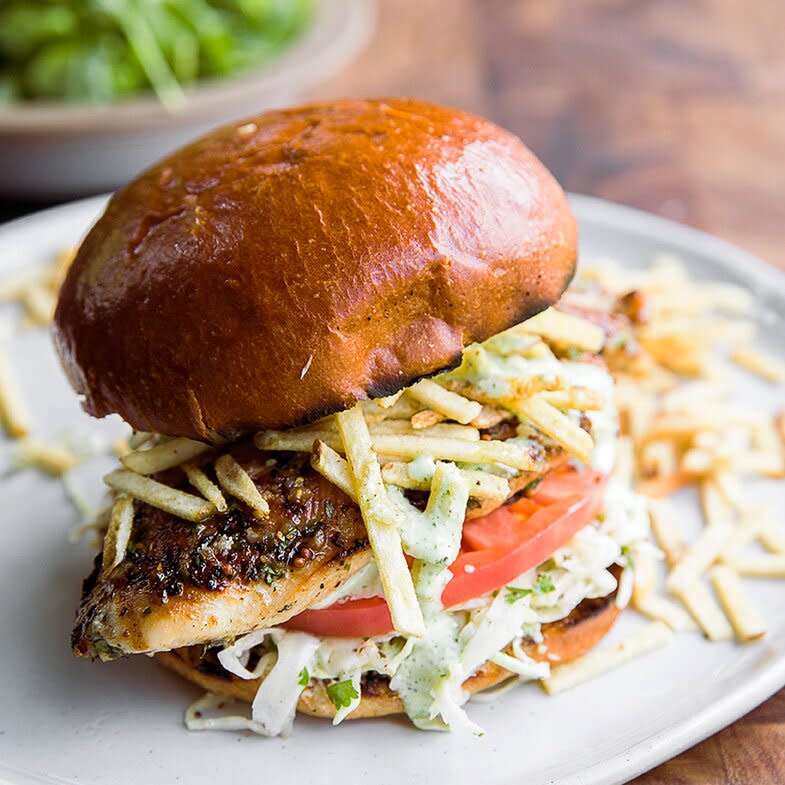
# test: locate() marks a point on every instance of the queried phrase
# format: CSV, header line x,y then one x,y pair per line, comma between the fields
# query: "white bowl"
x,y
57,149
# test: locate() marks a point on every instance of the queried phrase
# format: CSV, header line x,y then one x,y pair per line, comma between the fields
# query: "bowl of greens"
x,y
92,91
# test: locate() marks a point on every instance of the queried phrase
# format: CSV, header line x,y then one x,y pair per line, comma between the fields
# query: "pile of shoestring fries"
x,y
683,427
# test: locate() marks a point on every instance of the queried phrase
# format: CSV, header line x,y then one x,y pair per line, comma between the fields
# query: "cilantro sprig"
x,y
542,585
342,693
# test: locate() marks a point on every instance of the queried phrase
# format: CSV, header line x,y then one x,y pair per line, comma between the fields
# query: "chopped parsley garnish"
x,y
304,677
329,509
544,584
342,693
514,594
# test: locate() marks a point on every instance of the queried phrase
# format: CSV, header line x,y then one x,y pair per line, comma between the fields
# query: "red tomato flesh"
x,y
497,548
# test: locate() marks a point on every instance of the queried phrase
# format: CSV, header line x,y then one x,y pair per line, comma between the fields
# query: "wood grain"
x,y
674,106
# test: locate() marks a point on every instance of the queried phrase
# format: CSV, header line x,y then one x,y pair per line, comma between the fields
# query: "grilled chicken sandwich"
x,y
372,453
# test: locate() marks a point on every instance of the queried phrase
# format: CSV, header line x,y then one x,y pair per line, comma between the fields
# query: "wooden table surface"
x,y
674,106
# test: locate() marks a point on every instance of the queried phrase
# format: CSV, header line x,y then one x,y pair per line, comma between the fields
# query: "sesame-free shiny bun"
x,y
285,266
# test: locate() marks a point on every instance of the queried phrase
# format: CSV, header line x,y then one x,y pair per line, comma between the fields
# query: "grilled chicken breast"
x,y
185,583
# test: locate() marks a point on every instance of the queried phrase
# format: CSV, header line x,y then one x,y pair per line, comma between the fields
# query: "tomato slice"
x,y
547,530
497,548
559,485
347,619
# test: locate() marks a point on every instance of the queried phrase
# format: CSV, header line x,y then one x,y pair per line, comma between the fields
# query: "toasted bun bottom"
x,y
565,640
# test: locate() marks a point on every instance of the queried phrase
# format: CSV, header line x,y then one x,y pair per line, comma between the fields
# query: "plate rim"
x,y
754,688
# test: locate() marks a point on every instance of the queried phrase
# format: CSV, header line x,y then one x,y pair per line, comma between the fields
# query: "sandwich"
x,y
371,463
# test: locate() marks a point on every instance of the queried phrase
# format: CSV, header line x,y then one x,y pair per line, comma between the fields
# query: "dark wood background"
x,y
674,106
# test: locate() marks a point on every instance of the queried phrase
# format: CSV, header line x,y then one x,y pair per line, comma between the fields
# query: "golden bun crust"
x,y
282,267
565,640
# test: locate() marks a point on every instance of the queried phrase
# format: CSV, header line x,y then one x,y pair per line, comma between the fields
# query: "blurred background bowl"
x,y
51,149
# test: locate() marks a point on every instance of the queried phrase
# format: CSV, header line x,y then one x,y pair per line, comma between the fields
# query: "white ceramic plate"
x,y
68,721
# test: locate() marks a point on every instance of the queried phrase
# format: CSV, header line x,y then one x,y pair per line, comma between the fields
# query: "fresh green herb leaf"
x,y
513,594
626,551
342,693
329,509
304,677
544,584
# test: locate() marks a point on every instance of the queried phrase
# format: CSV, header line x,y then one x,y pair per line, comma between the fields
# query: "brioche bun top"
x,y
285,266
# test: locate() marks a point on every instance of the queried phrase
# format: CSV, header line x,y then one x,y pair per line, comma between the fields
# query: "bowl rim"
x,y
337,32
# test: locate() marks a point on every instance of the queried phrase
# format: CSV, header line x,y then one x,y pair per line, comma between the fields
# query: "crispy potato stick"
x,y
699,331
770,535
237,482
779,424
667,531
409,446
539,351
771,565
695,394
205,486
606,658
426,418
121,448
444,401
700,555
742,535
640,416
645,577
683,424
746,621
760,363
665,485
658,458
446,430
389,400
13,411
49,458
39,304
138,438
164,456
659,608
563,329
55,273
704,609
713,504
490,416
760,463
729,486
118,533
13,286
482,485
624,466
402,409
156,494
334,468
449,430
557,426
378,513
697,462
580,398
